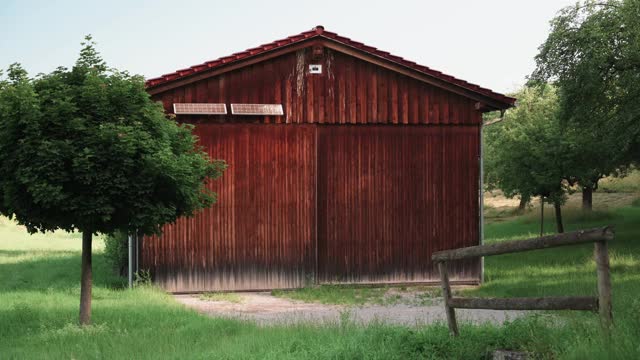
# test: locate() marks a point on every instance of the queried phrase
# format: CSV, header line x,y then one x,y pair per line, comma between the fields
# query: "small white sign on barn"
x,y
315,69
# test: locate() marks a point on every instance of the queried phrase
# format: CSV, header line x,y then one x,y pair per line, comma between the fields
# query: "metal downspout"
x,y
130,272
481,198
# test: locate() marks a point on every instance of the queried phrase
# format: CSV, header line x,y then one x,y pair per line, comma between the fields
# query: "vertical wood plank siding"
x,y
388,197
348,91
368,172
261,233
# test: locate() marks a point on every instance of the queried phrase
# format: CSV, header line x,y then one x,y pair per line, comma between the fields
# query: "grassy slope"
x,y
571,271
39,295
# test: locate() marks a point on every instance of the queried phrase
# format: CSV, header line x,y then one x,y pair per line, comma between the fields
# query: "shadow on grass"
x,y
47,270
14,253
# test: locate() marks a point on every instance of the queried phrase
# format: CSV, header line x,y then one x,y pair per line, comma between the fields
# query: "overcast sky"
x,y
488,42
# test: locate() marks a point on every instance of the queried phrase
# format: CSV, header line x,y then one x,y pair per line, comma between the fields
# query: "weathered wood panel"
x,y
601,255
446,296
349,90
507,247
261,233
589,303
389,196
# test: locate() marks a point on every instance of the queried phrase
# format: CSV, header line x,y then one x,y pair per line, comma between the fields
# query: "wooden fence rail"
x,y
602,302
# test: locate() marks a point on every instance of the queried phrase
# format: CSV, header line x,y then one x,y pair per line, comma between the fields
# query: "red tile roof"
x,y
319,32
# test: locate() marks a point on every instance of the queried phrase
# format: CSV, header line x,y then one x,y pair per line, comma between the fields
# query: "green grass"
x,y
629,183
221,296
528,225
571,271
39,295
492,213
336,294
362,295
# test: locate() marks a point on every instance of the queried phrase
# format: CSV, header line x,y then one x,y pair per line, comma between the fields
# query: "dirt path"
x,y
266,309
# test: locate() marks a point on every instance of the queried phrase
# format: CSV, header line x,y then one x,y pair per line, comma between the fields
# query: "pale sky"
x,y
488,42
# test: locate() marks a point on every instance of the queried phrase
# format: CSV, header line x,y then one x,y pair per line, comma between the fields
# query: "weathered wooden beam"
x,y
541,303
571,238
446,294
601,255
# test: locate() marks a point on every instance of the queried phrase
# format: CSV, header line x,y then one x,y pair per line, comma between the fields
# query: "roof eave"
x,y
490,100
228,66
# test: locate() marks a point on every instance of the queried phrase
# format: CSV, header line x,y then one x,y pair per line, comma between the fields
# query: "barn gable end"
x,y
373,166
349,90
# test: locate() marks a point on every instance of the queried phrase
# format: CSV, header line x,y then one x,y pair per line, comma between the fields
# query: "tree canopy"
x,y
592,55
527,153
87,149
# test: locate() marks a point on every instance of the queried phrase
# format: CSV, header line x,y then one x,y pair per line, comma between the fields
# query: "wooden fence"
x,y
602,302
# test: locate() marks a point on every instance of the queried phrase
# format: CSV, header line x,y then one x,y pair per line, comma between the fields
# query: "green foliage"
x,y
593,55
335,294
142,277
526,154
116,251
87,149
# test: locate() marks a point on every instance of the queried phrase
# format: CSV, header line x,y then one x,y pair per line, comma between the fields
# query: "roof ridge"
x,y
319,31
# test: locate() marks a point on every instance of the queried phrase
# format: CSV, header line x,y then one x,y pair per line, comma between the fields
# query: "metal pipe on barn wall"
x,y
130,272
481,198
134,256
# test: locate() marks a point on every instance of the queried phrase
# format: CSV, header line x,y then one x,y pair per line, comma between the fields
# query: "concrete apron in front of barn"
x,y
266,309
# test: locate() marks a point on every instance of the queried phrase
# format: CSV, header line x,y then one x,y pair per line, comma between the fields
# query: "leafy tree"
x,y
86,149
593,55
527,154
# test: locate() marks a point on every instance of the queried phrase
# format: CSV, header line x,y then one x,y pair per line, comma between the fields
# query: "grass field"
x,y
221,296
39,294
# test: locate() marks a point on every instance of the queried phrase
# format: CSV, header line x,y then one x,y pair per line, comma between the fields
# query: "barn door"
x,y
389,196
261,232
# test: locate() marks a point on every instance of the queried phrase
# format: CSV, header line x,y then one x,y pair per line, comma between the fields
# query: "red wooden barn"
x,y
346,165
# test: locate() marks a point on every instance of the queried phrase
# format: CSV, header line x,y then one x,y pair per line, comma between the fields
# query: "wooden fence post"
x,y
446,294
604,284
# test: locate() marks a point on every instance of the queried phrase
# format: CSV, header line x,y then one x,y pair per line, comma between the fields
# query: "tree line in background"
x,y
578,118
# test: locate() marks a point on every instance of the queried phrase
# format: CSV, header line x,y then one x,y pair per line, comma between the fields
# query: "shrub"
x,y
142,278
116,252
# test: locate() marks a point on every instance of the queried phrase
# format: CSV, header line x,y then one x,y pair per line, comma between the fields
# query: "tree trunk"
x,y
85,282
556,205
541,216
587,198
523,204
